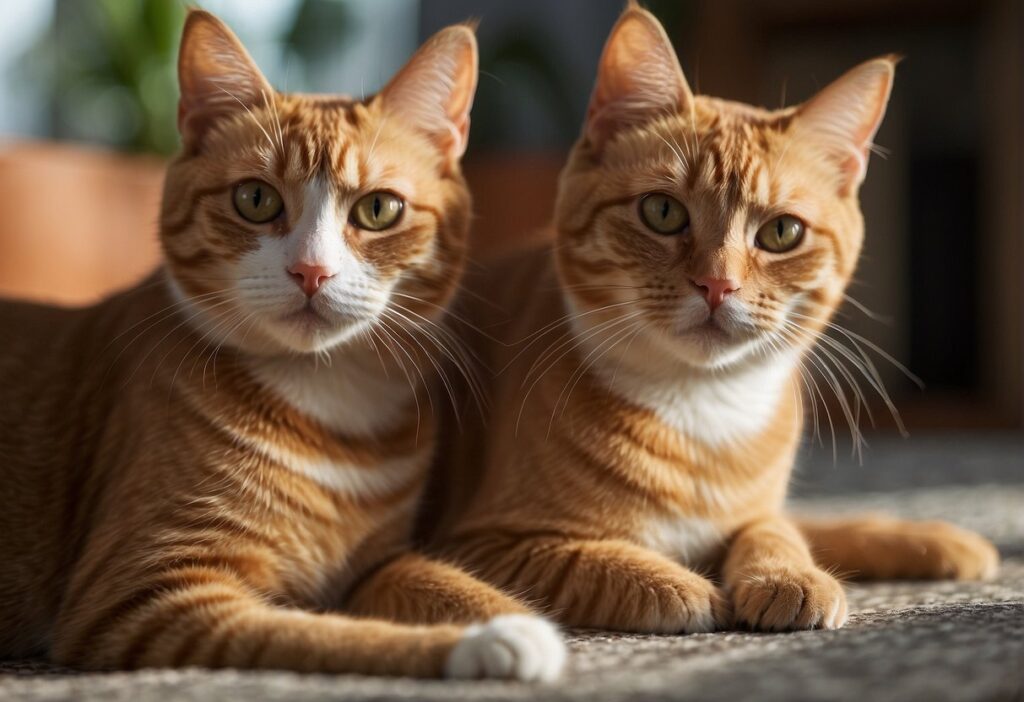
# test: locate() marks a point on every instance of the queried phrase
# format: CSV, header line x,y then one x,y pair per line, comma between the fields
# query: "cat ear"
x,y
638,78
434,90
216,75
844,117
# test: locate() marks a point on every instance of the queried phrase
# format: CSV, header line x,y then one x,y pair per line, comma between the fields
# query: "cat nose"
x,y
715,289
309,276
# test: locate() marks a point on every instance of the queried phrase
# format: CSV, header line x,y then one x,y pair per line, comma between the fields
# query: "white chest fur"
x,y
352,399
716,408
688,540
345,396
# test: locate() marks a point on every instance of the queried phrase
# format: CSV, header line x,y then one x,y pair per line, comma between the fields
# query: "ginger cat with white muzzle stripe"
x,y
646,409
220,467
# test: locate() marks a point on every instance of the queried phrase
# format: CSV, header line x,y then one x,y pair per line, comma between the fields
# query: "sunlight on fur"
x,y
647,405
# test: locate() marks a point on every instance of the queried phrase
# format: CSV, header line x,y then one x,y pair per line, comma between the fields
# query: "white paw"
x,y
513,646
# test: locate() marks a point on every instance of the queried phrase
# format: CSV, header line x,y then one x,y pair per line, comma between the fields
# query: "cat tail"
x,y
213,623
877,547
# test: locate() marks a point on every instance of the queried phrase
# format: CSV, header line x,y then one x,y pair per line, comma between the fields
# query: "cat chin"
x,y
304,337
708,349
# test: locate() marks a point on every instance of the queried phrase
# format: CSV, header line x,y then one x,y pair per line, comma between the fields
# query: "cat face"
x,y
297,222
711,230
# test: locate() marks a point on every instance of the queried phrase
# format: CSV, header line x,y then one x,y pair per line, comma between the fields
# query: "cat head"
x,y
712,231
296,222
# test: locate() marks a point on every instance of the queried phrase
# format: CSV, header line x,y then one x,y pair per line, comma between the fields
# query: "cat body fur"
x,y
633,470
220,467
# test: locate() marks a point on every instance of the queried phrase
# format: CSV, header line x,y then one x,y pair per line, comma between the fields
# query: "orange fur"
x,y
211,469
641,438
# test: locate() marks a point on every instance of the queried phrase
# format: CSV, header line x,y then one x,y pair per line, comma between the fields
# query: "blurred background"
x,y
87,111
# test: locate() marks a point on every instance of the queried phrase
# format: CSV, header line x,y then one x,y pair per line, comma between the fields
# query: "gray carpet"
x,y
904,641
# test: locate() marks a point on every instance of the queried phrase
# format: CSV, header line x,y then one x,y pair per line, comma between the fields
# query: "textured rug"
x,y
904,641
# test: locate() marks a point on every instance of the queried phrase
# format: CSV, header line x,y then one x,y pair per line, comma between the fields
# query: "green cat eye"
x,y
257,202
377,211
781,234
663,214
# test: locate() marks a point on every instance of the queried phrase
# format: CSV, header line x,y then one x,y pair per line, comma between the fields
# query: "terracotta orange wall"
x,y
77,223
513,200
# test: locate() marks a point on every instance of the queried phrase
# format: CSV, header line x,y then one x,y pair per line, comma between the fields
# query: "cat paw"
x,y
511,647
947,552
698,609
789,599
685,606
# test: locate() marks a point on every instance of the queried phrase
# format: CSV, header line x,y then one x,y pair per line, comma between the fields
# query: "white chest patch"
x,y
687,540
351,399
715,408
343,397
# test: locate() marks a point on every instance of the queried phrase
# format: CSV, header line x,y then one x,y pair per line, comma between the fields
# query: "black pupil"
x,y
377,206
257,197
664,209
779,228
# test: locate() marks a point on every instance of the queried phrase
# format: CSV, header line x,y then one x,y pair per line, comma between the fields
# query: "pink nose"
x,y
715,289
309,276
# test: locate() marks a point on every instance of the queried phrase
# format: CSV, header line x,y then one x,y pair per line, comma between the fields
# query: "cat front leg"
x,y
774,583
415,589
202,611
598,583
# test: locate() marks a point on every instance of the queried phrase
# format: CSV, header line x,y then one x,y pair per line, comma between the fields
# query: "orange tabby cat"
x,y
644,432
193,471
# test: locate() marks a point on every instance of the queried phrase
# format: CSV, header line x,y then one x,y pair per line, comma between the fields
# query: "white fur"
x,y
732,396
689,540
361,481
348,478
513,646
714,406
352,395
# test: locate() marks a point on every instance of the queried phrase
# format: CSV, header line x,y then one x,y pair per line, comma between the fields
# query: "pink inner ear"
x,y
639,78
846,114
853,170
216,75
434,90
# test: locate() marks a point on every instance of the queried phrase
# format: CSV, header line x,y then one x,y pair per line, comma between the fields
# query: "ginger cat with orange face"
x,y
220,467
646,413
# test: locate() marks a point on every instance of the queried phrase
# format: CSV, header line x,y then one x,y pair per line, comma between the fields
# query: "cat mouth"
x,y
711,329
306,318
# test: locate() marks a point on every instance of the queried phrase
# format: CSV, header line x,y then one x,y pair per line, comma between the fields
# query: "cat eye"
x,y
780,235
377,211
257,202
663,214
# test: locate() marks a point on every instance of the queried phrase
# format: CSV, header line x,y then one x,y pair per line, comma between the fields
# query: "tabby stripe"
x,y
214,657
149,631
160,586
604,474
194,197
595,212
201,257
219,627
223,524
533,551
350,478
562,581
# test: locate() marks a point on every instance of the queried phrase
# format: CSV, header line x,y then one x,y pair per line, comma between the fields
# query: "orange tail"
x,y
874,547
